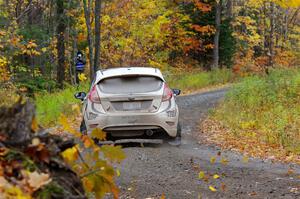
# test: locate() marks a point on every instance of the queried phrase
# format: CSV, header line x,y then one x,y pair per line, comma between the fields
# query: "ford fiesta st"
x,y
130,102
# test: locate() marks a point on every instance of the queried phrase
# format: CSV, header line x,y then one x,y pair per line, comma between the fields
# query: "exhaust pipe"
x,y
149,132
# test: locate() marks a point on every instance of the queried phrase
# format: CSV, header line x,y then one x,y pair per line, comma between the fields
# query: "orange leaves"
x,y
30,49
192,44
208,29
37,151
204,7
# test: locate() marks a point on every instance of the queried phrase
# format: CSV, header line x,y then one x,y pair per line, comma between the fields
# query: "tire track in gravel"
x,y
155,169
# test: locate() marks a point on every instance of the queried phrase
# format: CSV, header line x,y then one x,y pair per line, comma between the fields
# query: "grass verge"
x,y
51,105
261,116
195,80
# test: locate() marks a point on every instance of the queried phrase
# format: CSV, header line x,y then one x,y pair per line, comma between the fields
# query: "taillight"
x,y
168,94
93,95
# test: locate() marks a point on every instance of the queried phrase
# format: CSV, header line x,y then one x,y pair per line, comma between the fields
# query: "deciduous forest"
x,y
39,39
248,50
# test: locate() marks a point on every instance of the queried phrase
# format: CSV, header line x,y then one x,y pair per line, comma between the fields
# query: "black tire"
x,y
178,130
83,128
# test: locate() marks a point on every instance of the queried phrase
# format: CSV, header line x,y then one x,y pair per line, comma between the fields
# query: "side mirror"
x,y
176,91
80,95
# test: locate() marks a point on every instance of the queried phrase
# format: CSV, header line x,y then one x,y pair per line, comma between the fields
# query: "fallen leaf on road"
x,y
118,172
252,193
224,161
212,160
290,172
201,175
212,188
245,159
216,176
223,187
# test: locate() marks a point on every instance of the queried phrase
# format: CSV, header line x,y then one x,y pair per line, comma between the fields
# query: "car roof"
x,y
128,71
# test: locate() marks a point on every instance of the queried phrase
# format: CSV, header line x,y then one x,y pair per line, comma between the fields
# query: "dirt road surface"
x,y
153,170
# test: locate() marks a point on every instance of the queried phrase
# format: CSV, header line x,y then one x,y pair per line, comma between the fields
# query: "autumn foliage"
x,y
36,164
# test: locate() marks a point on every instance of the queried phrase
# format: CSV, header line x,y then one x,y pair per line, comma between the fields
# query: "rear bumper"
x,y
166,120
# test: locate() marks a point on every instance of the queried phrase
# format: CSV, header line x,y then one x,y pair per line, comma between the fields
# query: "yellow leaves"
x,y
31,44
76,108
106,19
3,69
37,180
163,196
118,172
113,153
70,154
99,134
245,159
212,160
201,175
44,50
224,161
15,193
288,3
216,176
82,77
63,121
213,189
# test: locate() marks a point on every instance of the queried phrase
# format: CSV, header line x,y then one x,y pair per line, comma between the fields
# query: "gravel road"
x,y
153,170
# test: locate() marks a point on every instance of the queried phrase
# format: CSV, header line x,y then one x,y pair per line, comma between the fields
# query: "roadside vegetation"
x,y
261,116
51,105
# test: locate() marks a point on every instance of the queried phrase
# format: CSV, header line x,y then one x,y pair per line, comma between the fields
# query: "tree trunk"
x,y
271,39
97,35
217,35
87,15
60,34
229,7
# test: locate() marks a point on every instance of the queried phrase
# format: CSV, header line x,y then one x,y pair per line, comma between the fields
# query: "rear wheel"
x,y
176,141
178,130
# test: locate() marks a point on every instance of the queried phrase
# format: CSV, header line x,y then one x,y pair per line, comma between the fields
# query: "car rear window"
x,y
130,84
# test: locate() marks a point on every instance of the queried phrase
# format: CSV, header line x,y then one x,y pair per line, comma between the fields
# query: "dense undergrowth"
x,y
266,109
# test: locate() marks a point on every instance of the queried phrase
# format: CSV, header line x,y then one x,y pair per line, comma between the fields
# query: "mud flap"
x,y
125,141
175,142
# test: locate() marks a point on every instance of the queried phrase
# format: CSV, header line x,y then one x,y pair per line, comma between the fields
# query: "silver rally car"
x,y
129,102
